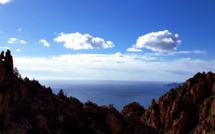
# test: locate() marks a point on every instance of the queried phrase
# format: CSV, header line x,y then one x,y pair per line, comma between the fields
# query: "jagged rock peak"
x,y
6,66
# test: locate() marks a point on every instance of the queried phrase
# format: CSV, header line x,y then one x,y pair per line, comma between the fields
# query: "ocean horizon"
x,y
106,92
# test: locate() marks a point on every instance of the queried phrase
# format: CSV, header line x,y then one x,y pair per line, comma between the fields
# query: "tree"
x,y
61,93
26,79
16,72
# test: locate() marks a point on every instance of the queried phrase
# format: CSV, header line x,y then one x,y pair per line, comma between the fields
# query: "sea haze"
x,y
119,93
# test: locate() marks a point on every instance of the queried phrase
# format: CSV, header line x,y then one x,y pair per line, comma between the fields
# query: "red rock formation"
x,y
186,109
133,111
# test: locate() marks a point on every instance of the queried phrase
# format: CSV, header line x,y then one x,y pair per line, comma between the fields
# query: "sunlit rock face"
x,y
187,109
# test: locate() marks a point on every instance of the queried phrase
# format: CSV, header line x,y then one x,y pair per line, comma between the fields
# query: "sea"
x,y
116,93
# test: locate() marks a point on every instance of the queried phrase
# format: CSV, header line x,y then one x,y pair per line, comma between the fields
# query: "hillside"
x,y
28,107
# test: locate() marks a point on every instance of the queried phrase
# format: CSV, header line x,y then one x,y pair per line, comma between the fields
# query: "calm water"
x,y
118,93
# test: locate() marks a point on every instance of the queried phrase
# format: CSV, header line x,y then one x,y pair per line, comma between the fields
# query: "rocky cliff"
x,y
28,107
187,109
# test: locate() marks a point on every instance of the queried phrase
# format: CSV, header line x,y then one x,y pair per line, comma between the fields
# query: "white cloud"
x,y
1,32
189,52
118,54
20,29
133,49
165,54
23,42
45,43
161,41
4,1
199,52
15,40
116,66
18,50
79,41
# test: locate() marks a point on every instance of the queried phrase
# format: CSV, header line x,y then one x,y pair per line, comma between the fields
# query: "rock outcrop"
x,y
6,80
187,109
133,111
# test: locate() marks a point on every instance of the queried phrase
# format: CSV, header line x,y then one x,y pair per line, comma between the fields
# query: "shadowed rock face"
x,y
133,111
28,107
32,108
186,109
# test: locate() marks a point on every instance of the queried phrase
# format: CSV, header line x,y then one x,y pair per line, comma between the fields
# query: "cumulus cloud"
x,y
45,43
15,40
161,41
4,1
79,41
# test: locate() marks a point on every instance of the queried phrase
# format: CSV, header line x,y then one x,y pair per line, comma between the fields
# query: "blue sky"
x,y
144,40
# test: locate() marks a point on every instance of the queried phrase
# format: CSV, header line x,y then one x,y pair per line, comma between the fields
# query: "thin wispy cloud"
x,y
79,41
16,41
161,41
167,54
18,50
112,66
188,52
4,47
23,42
133,49
5,1
199,52
44,42
20,29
